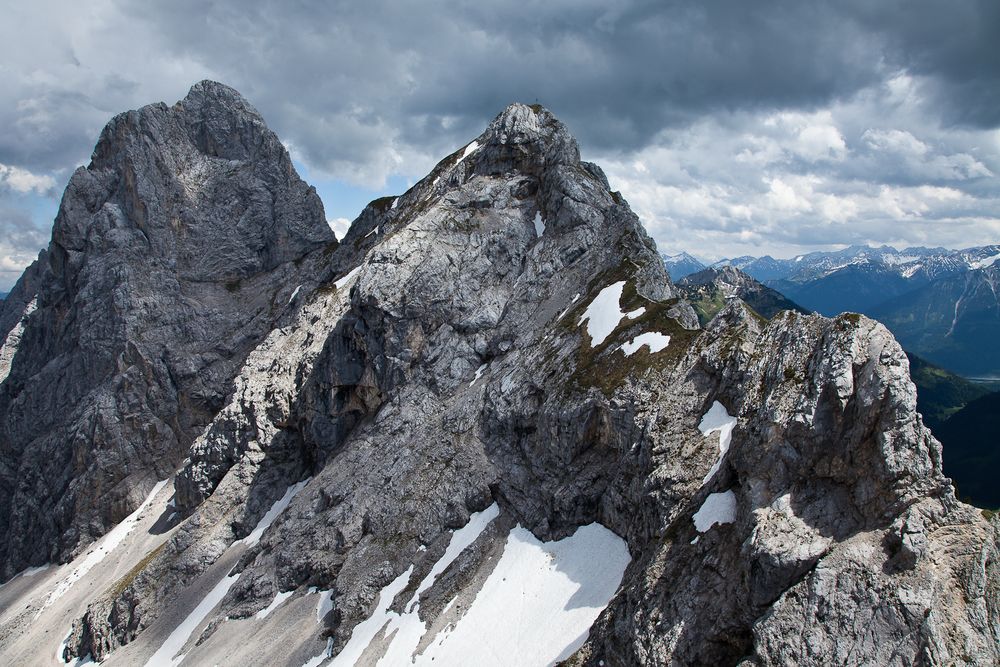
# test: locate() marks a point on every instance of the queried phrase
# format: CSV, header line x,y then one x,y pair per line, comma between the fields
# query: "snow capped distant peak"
x,y
983,263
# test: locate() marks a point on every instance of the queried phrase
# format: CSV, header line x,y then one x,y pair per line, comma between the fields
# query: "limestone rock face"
x,y
503,338
171,256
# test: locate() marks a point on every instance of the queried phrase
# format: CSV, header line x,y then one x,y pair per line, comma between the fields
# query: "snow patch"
x,y
365,631
566,310
479,374
79,662
339,284
460,539
165,655
13,340
394,202
654,339
983,263
294,294
275,603
718,419
27,572
603,314
104,546
325,605
718,508
316,661
469,150
632,314
539,224
407,629
557,589
277,508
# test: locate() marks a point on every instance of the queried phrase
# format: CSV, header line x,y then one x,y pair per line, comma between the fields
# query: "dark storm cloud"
x,y
618,72
342,81
953,44
724,100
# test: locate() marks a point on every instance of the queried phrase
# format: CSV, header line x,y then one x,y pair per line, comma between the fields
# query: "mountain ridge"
x,y
498,355
166,257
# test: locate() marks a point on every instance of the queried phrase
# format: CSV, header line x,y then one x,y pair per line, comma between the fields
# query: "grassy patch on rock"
x,y
119,586
606,366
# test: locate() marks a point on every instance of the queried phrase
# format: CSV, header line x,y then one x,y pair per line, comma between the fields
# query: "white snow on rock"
x,y
100,550
277,508
394,202
566,310
325,605
294,294
78,662
316,661
654,339
983,263
603,314
27,572
408,628
13,340
165,655
479,374
718,508
632,314
275,603
460,539
469,150
365,631
339,284
557,590
718,419
538,604
539,224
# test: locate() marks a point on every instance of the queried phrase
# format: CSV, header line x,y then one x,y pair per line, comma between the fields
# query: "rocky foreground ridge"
x,y
356,437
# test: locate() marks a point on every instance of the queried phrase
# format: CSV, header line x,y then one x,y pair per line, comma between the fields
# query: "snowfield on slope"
x,y
604,313
535,608
718,419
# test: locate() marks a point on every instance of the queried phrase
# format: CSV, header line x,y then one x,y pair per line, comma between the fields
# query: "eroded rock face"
x,y
171,257
505,333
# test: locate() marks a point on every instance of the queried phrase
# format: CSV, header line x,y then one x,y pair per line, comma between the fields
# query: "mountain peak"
x,y
493,363
530,130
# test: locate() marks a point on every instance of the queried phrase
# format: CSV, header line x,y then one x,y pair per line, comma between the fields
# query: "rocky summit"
x,y
484,428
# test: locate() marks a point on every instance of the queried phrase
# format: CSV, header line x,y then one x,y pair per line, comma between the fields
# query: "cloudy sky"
x,y
730,128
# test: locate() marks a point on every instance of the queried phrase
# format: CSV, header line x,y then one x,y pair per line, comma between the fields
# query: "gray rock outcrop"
x,y
172,254
505,333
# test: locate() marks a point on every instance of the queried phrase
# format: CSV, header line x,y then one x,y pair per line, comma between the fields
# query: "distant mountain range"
x,y
709,289
941,304
681,265
953,321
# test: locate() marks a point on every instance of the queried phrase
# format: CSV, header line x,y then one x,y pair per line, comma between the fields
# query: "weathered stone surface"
x,y
171,256
439,362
